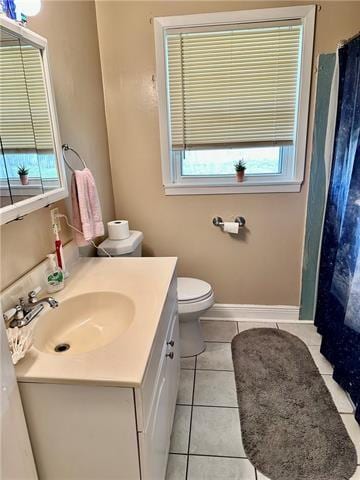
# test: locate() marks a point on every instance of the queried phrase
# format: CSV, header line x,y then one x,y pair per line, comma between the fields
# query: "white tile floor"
x,y
206,441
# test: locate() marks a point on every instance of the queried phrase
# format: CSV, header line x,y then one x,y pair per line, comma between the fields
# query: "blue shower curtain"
x,y
338,304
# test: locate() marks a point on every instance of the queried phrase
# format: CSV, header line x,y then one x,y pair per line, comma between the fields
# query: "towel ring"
x,y
65,148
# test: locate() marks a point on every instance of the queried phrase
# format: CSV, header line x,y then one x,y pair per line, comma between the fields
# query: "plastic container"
x,y
54,276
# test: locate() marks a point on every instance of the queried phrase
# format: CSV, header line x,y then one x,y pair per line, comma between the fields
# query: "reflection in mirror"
x,y
28,167
5,197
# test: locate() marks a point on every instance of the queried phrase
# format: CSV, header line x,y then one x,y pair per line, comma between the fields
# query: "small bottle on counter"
x,y
54,275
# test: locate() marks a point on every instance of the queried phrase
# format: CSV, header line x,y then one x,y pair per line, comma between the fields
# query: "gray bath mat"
x,y
290,427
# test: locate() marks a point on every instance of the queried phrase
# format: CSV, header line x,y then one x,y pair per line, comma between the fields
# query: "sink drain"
x,y
62,347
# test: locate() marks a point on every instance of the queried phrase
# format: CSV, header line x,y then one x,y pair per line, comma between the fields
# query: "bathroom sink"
x,y
84,323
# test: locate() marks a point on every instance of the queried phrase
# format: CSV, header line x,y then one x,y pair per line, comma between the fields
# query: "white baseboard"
x,y
243,313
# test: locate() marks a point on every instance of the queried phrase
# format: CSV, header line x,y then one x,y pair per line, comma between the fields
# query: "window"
x,y
234,85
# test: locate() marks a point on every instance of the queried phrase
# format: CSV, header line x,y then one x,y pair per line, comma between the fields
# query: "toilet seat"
x,y
192,290
194,295
196,306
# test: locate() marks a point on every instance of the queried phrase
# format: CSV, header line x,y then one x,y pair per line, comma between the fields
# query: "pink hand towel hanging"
x,y
86,207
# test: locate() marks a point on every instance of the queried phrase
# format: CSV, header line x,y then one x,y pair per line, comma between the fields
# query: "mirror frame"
x,y
20,209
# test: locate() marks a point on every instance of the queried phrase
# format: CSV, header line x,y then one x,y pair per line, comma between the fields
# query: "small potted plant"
x,y
240,167
23,173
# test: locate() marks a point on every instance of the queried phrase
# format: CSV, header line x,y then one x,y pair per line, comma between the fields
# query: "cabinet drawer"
x,y
145,395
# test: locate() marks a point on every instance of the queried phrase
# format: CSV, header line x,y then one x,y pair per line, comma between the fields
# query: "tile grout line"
x,y
207,406
213,370
216,341
215,456
191,417
209,369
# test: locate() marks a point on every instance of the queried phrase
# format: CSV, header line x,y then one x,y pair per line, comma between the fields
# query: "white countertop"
x,y
123,361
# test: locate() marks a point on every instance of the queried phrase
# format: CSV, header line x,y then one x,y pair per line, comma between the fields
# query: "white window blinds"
x,y
24,117
233,88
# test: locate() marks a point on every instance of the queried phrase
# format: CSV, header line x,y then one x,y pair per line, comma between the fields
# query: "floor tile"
x,y
216,431
325,367
215,389
356,475
217,356
186,386
338,395
260,476
217,468
218,331
181,429
242,326
176,467
188,363
353,429
307,333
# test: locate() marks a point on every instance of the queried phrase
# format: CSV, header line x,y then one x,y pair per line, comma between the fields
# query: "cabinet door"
x,y
82,431
145,396
155,440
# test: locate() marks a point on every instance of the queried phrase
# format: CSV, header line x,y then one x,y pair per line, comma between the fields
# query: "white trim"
x,y
162,24
238,312
241,16
328,159
19,209
176,189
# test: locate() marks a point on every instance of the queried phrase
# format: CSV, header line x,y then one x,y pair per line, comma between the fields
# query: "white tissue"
x,y
231,227
118,229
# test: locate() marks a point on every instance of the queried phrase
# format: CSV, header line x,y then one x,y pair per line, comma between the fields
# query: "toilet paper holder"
x,y
218,221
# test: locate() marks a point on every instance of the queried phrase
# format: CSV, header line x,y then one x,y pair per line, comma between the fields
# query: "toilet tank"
x,y
129,247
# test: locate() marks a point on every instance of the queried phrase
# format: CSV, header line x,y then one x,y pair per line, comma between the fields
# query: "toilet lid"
x,y
192,289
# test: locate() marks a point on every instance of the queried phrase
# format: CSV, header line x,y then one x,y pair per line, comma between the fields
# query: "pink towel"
x,y
86,207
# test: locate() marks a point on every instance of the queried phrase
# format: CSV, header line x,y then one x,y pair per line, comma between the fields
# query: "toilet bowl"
x,y
194,298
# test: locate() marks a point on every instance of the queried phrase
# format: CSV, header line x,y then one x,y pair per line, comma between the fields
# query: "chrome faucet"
x,y
25,312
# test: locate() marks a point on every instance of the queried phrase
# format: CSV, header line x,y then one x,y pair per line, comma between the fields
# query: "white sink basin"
x,y
84,323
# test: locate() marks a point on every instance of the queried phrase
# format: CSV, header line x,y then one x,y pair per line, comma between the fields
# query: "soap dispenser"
x,y
54,275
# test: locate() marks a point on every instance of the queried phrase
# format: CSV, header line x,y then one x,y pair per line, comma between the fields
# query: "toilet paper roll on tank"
x,y
118,229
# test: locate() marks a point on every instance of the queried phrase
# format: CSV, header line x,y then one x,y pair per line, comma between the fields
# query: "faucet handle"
x,y
9,314
33,294
16,313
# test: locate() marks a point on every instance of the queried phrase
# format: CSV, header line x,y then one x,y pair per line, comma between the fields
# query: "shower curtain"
x,y
338,304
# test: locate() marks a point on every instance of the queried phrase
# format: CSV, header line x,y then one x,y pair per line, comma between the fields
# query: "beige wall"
x,y
263,266
70,27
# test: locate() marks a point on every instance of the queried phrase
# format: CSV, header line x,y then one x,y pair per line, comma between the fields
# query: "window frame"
x,y
290,180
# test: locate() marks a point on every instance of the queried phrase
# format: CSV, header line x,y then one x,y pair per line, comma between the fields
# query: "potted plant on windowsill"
x,y
23,173
240,167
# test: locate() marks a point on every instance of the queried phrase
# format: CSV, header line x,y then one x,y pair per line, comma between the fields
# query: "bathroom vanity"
x,y
104,407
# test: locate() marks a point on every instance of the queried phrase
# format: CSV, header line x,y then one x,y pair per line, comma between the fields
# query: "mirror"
x,y
31,167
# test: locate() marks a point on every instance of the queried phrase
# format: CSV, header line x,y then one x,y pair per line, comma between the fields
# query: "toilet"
x,y
194,296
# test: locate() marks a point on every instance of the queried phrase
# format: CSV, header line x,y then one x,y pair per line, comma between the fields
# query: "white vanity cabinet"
x,y
86,431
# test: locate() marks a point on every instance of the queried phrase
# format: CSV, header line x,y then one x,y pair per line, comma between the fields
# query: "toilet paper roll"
x,y
118,229
231,227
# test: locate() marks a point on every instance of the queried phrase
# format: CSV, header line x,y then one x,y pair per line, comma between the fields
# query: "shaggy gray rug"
x,y
290,426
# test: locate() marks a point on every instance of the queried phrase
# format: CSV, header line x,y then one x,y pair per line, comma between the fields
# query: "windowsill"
x,y
237,188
